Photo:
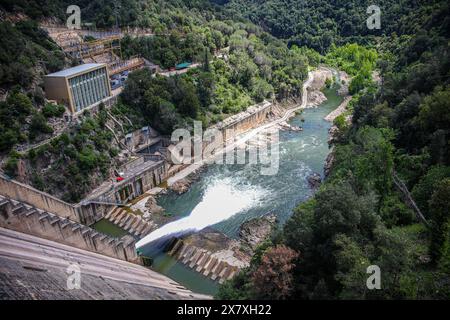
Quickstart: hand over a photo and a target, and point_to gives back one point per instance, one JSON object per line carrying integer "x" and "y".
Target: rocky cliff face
{"x": 315, "y": 95}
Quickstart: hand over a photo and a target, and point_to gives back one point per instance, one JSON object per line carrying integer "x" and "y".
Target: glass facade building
{"x": 79, "y": 87}
{"x": 89, "y": 88}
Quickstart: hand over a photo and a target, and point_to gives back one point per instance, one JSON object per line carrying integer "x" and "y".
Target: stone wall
{"x": 244, "y": 121}
{"x": 150, "y": 177}
{"x": 205, "y": 262}
{"x": 24, "y": 218}
{"x": 85, "y": 214}
{"x": 24, "y": 193}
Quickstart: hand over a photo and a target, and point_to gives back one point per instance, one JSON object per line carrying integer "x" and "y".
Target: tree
{"x": 440, "y": 214}
{"x": 38, "y": 126}
{"x": 273, "y": 278}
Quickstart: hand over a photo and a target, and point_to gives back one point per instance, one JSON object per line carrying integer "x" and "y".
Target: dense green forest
{"x": 358, "y": 217}
{"x": 319, "y": 24}
{"x": 256, "y": 66}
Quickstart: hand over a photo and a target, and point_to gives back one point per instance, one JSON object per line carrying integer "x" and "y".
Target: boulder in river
{"x": 152, "y": 206}
{"x": 255, "y": 231}
{"x": 314, "y": 180}
{"x": 181, "y": 186}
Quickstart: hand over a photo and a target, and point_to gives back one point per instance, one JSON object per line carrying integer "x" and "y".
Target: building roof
{"x": 75, "y": 70}
{"x": 183, "y": 65}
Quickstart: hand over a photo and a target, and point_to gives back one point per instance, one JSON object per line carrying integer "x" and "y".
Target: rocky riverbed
{"x": 235, "y": 253}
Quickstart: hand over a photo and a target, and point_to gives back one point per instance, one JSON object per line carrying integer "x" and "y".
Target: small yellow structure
{"x": 79, "y": 87}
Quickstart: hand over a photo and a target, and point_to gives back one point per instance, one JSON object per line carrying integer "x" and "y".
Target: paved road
{"x": 44, "y": 260}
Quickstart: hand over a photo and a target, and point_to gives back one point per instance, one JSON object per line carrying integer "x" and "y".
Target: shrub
{"x": 51, "y": 110}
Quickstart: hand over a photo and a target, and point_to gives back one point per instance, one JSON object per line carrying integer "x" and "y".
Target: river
{"x": 228, "y": 195}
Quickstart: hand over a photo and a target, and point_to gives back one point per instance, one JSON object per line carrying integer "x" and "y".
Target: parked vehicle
{"x": 116, "y": 84}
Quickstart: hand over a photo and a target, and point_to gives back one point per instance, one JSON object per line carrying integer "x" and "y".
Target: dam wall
{"x": 244, "y": 121}
{"x": 21, "y": 192}
{"x": 203, "y": 261}
{"x": 27, "y": 219}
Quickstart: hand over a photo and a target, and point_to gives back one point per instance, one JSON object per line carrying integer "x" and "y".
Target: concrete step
{"x": 43, "y": 216}
{"x": 102, "y": 237}
{"x": 108, "y": 215}
{"x": 147, "y": 230}
{"x": 119, "y": 217}
{"x": 126, "y": 219}
{"x": 193, "y": 259}
{"x": 184, "y": 252}
{"x": 216, "y": 271}
{"x": 197, "y": 259}
{"x": 188, "y": 254}
{"x": 54, "y": 220}
{"x": 135, "y": 224}
{"x": 114, "y": 214}
{"x": 180, "y": 247}
{"x": 141, "y": 227}
{"x": 175, "y": 248}
{"x": 210, "y": 266}
{"x": 225, "y": 270}
{"x": 3, "y": 202}
{"x": 31, "y": 212}
{"x": 94, "y": 234}
{"x": 201, "y": 261}
{"x": 18, "y": 209}
{"x": 129, "y": 223}
{"x": 64, "y": 223}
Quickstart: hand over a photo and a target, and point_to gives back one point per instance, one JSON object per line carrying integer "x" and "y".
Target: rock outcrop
{"x": 345, "y": 82}
{"x": 328, "y": 163}
{"x": 152, "y": 206}
{"x": 217, "y": 256}
{"x": 181, "y": 186}
{"x": 314, "y": 180}
{"x": 316, "y": 98}
{"x": 253, "y": 232}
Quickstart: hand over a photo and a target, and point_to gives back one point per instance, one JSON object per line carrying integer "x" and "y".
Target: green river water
{"x": 222, "y": 186}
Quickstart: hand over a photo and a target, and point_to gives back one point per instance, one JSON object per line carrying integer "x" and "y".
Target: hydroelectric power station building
{"x": 79, "y": 87}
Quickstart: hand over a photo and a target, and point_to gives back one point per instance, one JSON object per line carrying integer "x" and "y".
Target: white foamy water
{"x": 221, "y": 200}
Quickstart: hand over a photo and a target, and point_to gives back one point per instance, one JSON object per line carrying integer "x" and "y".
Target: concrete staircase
{"x": 203, "y": 261}
{"x": 24, "y": 218}
{"x": 130, "y": 222}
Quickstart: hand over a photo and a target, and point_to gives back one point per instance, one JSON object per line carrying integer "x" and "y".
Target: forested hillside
{"x": 318, "y": 24}
{"x": 358, "y": 217}
{"x": 254, "y": 66}
{"x": 399, "y": 129}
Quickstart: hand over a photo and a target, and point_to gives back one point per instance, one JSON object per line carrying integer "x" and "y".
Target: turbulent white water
{"x": 222, "y": 199}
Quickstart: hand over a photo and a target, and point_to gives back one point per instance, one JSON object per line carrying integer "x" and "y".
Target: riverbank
{"x": 184, "y": 173}
{"x": 339, "y": 110}
{"x": 312, "y": 96}
{"x": 227, "y": 196}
